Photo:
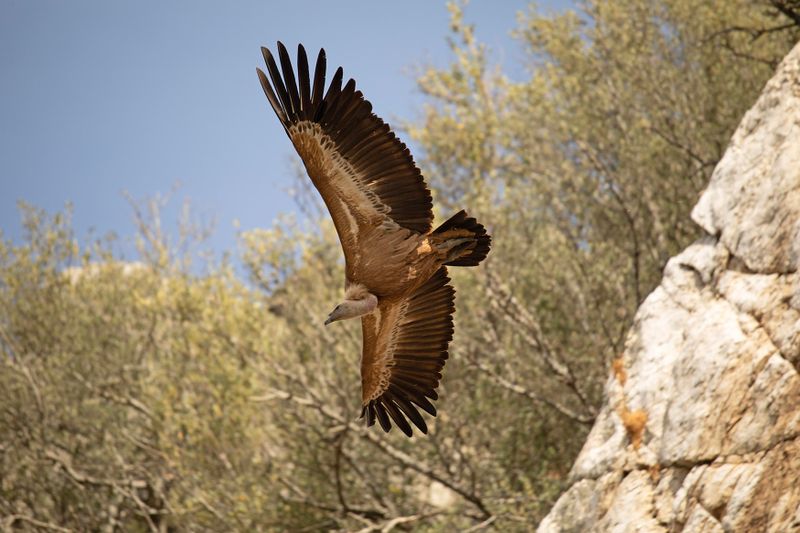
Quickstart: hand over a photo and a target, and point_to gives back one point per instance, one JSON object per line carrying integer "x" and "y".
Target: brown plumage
{"x": 395, "y": 265}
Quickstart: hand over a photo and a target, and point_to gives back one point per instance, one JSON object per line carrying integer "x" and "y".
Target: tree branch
{"x": 9, "y": 521}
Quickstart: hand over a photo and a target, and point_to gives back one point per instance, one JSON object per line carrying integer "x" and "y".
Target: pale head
{"x": 357, "y": 302}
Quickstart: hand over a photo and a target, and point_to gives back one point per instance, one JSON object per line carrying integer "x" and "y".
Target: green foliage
{"x": 586, "y": 173}
{"x": 122, "y": 406}
{"x": 148, "y": 397}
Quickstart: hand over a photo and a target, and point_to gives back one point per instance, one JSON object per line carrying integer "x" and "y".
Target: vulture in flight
{"x": 395, "y": 262}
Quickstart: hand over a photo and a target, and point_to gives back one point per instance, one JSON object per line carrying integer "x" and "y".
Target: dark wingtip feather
{"x": 414, "y": 396}
{"x": 273, "y": 100}
{"x": 277, "y": 82}
{"x": 383, "y": 418}
{"x": 319, "y": 85}
{"x": 304, "y": 82}
{"x": 399, "y": 420}
{"x": 336, "y": 84}
{"x": 410, "y": 411}
{"x": 424, "y": 404}
{"x": 289, "y": 80}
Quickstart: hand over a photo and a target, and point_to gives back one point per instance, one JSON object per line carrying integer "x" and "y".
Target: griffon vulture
{"x": 395, "y": 263}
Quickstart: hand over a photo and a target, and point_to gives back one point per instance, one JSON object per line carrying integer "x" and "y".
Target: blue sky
{"x": 100, "y": 97}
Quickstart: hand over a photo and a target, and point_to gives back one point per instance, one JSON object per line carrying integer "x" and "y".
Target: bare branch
{"x": 9, "y": 521}
{"x": 394, "y": 522}
{"x": 531, "y": 332}
{"x": 399, "y": 456}
{"x": 789, "y": 8}
{"x": 522, "y": 391}
{"x": 483, "y": 525}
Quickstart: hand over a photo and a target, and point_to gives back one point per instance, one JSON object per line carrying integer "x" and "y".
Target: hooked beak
{"x": 328, "y": 320}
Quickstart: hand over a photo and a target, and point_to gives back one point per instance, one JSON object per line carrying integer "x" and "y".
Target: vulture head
{"x": 352, "y": 308}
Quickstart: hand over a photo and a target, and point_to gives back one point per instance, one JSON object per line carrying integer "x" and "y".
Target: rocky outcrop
{"x": 701, "y": 427}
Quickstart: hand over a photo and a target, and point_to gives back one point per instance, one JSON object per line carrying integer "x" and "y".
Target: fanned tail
{"x": 471, "y": 243}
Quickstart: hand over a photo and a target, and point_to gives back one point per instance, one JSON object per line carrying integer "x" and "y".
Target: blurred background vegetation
{"x": 160, "y": 395}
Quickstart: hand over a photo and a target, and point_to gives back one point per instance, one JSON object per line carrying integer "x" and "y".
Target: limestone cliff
{"x": 701, "y": 426}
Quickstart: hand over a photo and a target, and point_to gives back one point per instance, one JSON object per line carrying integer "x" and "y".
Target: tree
{"x": 586, "y": 173}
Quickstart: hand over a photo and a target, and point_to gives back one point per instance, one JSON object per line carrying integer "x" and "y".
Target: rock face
{"x": 701, "y": 428}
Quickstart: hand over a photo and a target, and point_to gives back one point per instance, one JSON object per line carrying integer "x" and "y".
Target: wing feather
{"x": 413, "y": 395}
{"x": 273, "y": 99}
{"x": 288, "y": 76}
{"x": 336, "y": 84}
{"x": 277, "y": 82}
{"x": 319, "y": 80}
{"x": 361, "y": 169}
{"x": 383, "y": 419}
{"x": 305, "y": 83}
{"x": 399, "y": 420}
{"x": 401, "y": 370}
{"x": 408, "y": 409}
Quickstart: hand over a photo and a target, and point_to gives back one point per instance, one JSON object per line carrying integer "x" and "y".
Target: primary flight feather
{"x": 395, "y": 264}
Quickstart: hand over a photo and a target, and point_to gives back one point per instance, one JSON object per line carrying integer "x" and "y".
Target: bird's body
{"x": 395, "y": 263}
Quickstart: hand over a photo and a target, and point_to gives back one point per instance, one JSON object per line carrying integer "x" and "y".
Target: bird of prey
{"x": 395, "y": 262}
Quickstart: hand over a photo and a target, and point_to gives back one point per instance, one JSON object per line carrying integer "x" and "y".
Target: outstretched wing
{"x": 365, "y": 175}
{"x": 405, "y": 349}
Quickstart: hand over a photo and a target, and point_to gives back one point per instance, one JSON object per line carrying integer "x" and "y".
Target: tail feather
{"x": 460, "y": 226}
